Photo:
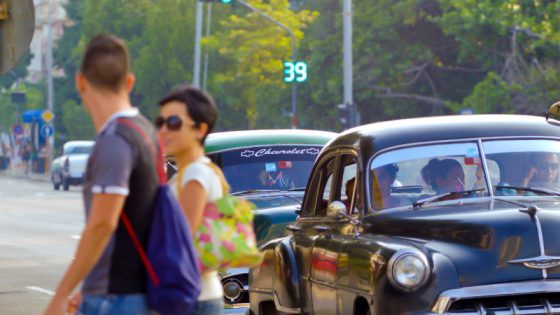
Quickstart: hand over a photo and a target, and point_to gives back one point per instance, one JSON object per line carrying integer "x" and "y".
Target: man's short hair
{"x": 106, "y": 63}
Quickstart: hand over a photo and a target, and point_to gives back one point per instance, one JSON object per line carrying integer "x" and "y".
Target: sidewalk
{"x": 19, "y": 173}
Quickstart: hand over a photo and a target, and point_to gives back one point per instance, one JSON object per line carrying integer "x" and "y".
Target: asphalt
{"x": 20, "y": 174}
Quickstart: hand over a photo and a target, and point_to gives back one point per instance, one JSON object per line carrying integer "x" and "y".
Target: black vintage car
{"x": 446, "y": 215}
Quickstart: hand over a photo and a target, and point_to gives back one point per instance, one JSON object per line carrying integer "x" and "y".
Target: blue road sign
{"x": 18, "y": 129}
{"x": 47, "y": 131}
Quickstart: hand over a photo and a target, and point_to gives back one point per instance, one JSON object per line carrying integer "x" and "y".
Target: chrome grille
{"x": 531, "y": 304}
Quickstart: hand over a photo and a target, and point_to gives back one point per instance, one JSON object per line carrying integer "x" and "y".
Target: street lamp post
{"x": 348, "y": 79}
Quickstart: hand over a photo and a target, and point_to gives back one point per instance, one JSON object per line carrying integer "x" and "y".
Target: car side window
{"x": 347, "y": 184}
{"x": 321, "y": 188}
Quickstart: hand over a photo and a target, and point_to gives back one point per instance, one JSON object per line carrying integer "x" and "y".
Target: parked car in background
{"x": 68, "y": 168}
{"x": 479, "y": 236}
{"x": 270, "y": 168}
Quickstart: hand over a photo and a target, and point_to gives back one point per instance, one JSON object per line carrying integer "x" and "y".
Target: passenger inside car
{"x": 542, "y": 171}
{"x": 443, "y": 176}
{"x": 383, "y": 179}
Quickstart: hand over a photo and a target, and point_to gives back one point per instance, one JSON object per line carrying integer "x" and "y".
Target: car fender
{"x": 287, "y": 287}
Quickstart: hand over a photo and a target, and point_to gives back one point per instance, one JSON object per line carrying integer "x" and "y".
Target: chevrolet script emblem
{"x": 541, "y": 262}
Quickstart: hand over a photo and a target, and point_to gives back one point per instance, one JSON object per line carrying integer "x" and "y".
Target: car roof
{"x": 378, "y": 136}
{"x": 221, "y": 141}
{"x": 78, "y": 143}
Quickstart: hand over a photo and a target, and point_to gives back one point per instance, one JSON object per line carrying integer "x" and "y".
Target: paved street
{"x": 39, "y": 230}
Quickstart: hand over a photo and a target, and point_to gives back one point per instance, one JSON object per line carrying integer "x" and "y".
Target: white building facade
{"x": 39, "y": 44}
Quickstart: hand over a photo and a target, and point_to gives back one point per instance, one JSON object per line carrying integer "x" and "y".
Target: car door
{"x": 333, "y": 230}
{"x": 314, "y": 208}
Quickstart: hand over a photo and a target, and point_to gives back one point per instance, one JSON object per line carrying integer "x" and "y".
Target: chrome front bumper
{"x": 527, "y": 297}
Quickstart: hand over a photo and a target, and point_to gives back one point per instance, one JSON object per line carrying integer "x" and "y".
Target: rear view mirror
{"x": 336, "y": 209}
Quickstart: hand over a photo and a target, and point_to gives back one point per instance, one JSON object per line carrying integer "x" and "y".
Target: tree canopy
{"x": 411, "y": 57}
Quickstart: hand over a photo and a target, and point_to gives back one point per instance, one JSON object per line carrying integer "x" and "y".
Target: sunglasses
{"x": 547, "y": 166}
{"x": 173, "y": 122}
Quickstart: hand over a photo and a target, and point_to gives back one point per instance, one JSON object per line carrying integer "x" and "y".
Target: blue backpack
{"x": 171, "y": 258}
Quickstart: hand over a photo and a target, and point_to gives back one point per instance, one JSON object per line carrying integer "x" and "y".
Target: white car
{"x": 69, "y": 168}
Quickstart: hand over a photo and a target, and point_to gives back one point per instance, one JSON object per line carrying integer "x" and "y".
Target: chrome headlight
{"x": 233, "y": 289}
{"x": 408, "y": 269}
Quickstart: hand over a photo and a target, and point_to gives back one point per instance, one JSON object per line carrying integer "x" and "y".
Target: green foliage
{"x": 411, "y": 58}
{"x": 492, "y": 95}
{"x": 77, "y": 122}
{"x": 256, "y": 58}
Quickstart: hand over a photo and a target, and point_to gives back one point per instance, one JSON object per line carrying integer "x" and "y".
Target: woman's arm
{"x": 192, "y": 199}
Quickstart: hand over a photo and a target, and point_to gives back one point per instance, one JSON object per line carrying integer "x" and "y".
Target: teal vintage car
{"x": 270, "y": 168}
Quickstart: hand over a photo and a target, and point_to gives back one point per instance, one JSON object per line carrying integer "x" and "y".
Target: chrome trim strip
{"x": 514, "y": 308}
{"x": 283, "y": 309}
{"x": 485, "y": 168}
{"x": 359, "y": 292}
{"x": 541, "y": 241}
{"x": 321, "y": 282}
{"x": 261, "y": 291}
{"x": 533, "y": 213}
{"x": 268, "y": 145}
{"x": 448, "y": 297}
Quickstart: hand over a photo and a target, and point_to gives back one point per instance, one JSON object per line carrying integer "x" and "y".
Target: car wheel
{"x": 65, "y": 184}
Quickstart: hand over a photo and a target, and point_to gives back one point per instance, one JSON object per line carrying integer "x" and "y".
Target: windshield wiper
{"x": 454, "y": 194}
{"x": 529, "y": 189}
{"x": 251, "y": 191}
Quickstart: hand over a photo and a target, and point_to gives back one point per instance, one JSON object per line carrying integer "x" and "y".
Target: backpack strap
{"x": 158, "y": 158}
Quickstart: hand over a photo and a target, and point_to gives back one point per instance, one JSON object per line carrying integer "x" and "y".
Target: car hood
{"x": 483, "y": 240}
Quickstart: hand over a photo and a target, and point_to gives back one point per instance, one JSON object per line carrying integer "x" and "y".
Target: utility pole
{"x": 348, "y": 73}
{"x": 208, "y": 25}
{"x": 294, "y": 54}
{"x": 50, "y": 94}
{"x": 197, "y": 37}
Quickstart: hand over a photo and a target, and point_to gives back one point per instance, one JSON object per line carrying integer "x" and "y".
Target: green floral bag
{"x": 225, "y": 238}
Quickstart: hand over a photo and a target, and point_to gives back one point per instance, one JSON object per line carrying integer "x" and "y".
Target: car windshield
{"x": 281, "y": 167}
{"x": 531, "y": 166}
{"x": 433, "y": 173}
{"x": 78, "y": 150}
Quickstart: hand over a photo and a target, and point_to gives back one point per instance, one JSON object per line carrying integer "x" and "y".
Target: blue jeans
{"x": 209, "y": 307}
{"x": 113, "y": 305}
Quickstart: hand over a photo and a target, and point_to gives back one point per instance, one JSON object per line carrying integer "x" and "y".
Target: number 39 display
{"x": 295, "y": 71}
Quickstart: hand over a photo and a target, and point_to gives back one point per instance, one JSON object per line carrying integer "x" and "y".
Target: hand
{"x": 73, "y": 302}
{"x": 530, "y": 174}
{"x": 57, "y": 306}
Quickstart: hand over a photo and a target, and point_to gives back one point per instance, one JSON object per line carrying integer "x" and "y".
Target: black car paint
{"x": 467, "y": 243}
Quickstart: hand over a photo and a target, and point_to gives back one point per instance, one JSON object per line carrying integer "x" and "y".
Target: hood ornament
{"x": 540, "y": 262}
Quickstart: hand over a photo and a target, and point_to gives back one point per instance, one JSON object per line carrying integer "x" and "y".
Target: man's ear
{"x": 81, "y": 84}
{"x": 130, "y": 82}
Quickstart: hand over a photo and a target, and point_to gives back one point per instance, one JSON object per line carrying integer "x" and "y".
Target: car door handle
{"x": 322, "y": 228}
{"x": 293, "y": 228}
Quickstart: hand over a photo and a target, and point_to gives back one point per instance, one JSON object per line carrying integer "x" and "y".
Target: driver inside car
{"x": 542, "y": 171}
